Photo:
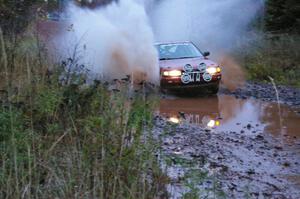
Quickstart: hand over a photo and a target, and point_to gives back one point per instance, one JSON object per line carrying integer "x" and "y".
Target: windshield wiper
{"x": 185, "y": 57}
{"x": 177, "y": 58}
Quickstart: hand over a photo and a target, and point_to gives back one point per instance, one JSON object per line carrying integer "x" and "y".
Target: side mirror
{"x": 206, "y": 53}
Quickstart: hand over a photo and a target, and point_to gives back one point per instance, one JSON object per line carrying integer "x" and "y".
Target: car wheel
{"x": 163, "y": 91}
{"x": 215, "y": 89}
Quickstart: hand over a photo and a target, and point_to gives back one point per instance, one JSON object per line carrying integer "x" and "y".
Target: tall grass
{"x": 67, "y": 139}
{"x": 272, "y": 55}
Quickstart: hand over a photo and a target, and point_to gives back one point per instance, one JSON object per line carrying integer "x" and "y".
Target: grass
{"x": 194, "y": 181}
{"x": 63, "y": 138}
{"x": 276, "y": 56}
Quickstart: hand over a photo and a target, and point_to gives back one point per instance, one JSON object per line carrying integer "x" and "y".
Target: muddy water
{"x": 226, "y": 113}
{"x": 253, "y": 146}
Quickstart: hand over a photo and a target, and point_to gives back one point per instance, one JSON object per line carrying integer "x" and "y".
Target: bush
{"x": 276, "y": 56}
{"x": 63, "y": 138}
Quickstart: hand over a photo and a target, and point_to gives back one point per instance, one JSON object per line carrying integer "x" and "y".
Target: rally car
{"x": 183, "y": 65}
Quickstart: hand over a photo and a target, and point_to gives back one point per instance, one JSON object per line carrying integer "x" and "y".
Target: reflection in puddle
{"x": 227, "y": 113}
{"x": 251, "y": 161}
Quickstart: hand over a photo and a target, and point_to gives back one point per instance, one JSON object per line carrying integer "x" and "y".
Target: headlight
{"x": 172, "y": 73}
{"x": 213, "y": 70}
{"x": 174, "y": 120}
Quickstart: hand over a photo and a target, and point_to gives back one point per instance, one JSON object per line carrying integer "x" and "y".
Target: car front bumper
{"x": 176, "y": 83}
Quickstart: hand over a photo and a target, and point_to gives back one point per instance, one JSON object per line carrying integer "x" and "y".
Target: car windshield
{"x": 177, "y": 51}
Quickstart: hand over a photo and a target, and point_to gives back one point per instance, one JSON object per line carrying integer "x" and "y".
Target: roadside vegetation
{"x": 275, "y": 52}
{"x": 63, "y": 138}
{"x": 275, "y": 56}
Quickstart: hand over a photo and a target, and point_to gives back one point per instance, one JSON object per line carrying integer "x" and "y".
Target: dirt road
{"x": 230, "y": 146}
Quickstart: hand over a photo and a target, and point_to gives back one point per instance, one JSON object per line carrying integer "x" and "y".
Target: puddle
{"x": 226, "y": 113}
{"x": 244, "y": 164}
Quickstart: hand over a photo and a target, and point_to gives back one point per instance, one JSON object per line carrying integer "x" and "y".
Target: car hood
{"x": 179, "y": 63}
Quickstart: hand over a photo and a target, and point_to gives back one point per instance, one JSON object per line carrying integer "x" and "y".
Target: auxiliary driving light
{"x": 213, "y": 70}
{"x": 213, "y": 123}
{"x": 172, "y": 73}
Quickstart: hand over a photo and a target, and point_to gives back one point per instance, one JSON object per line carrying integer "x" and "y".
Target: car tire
{"x": 215, "y": 89}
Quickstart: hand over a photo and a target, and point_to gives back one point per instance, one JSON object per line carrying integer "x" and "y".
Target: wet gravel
{"x": 266, "y": 92}
{"x": 244, "y": 164}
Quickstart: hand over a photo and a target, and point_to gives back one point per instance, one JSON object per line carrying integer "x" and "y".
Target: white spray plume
{"x": 211, "y": 24}
{"x": 114, "y": 41}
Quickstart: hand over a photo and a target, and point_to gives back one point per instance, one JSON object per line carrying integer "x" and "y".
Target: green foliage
{"x": 63, "y": 138}
{"x": 48, "y": 101}
{"x": 11, "y": 128}
{"x": 15, "y": 15}
{"x": 195, "y": 177}
{"x": 283, "y": 15}
{"x": 276, "y": 56}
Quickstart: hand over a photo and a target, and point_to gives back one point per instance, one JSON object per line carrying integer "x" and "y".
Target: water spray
{"x": 116, "y": 40}
{"x": 278, "y": 104}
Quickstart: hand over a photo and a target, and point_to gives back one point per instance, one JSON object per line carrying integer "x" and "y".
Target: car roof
{"x": 173, "y": 42}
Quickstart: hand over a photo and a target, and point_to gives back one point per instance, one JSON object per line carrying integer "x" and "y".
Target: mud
{"x": 226, "y": 146}
{"x": 265, "y": 92}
